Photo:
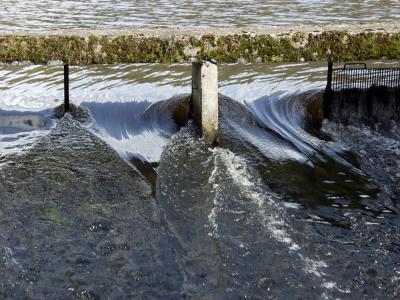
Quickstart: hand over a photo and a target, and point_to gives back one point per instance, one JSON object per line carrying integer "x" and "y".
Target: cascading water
{"x": 283, "y": 207}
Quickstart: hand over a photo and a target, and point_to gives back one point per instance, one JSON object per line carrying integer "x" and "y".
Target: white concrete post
{"x": 205, "y": 99}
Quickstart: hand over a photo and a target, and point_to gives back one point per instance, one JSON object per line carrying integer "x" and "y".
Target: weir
{"x": 114, "y": 193}
{"x": 224, "y": 45}
{"x": 204, "y": 98}
{"x": 353, "y": 93}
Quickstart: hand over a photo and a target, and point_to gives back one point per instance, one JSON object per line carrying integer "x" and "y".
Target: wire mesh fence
{"x": 358, "y": 76}
{"x": 355, "y": 91}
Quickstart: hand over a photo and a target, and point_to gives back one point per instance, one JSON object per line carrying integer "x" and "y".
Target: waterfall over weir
{"x": 130, "y": 203}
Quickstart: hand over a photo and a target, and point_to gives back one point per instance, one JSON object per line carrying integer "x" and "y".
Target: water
{"x": 122, "y": 95}
{"x": 128, "y": 204}
{"x": 56, "y": 14}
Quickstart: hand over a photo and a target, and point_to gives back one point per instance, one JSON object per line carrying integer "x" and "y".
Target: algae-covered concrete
{"x": 171, "y": 45}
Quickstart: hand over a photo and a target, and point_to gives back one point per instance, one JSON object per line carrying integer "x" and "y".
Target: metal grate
{"x": 356, "y": 85}
{"x": 358, "y": 76}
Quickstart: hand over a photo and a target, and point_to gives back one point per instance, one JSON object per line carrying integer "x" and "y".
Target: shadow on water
{"x": 16, "y": 121}
{"x": 19, "y": 129}
{"x": 376, "y": 105}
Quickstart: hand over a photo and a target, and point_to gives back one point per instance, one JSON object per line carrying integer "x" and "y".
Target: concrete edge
{"x": 225, "y": 45}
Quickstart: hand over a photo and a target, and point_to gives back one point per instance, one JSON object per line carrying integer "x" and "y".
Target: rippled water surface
{"x": 97, "y": 14}
{"x": 122, "y": 93}
{"x": 127, "y": 203}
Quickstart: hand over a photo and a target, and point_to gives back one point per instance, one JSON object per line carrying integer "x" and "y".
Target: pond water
{"x": 126, "y": 204}
{"x": 56, "y": 14}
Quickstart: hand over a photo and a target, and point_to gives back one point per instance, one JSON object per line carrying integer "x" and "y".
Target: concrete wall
{"x": 167, "y": 45}
{"x": 205, "y": 99}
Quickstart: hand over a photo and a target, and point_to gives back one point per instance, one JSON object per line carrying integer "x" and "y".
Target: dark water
{"x": 79, "y": 223}
{"x": 130, "y": 205}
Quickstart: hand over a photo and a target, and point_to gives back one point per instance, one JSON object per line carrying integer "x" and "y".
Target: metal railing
{"x": 358, "y": 76}
{"x": 351, "y": 80}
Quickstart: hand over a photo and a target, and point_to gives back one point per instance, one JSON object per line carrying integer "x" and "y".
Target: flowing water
{"x": 56, "y": 14}
{"x": 126, "y": 203}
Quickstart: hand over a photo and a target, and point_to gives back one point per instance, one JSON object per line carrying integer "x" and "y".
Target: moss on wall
{"x": 290, "y": 47}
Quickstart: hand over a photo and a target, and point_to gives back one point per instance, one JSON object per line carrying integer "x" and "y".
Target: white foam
{"x": 237, "y": 171}
{"x": 272, "y": 214}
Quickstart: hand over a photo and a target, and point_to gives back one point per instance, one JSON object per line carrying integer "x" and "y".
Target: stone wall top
{"x": 225, "y": 45}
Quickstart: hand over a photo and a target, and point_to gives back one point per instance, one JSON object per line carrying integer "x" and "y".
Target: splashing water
{"x": 282, "y": 208}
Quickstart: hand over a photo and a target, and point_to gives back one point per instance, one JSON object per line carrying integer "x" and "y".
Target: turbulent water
{"x": 283, "y": 208}
{"x": 55, "y": 14}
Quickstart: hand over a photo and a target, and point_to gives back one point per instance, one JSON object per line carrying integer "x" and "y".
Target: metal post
{"x": 328, "y": 90}
{"x": 66, "y": 88}
{"x": 330, "y": 74}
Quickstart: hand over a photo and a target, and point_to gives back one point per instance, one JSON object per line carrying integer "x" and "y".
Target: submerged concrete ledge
{"x": 227, "y": 45}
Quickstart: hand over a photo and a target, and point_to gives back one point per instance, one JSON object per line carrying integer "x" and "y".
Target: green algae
{"x": 97, "y": 209}
{"x": 53, "y": 216}
{"x": 293, "y": 47}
